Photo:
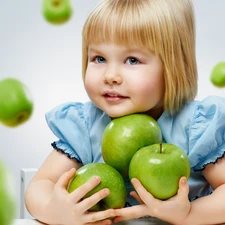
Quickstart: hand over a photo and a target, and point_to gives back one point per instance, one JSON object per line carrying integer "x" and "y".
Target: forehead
{"x": 119, "y": 25}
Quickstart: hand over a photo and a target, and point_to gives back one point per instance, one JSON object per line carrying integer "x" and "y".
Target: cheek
{"x": 88, "y": 84}
{"x": 150, "y": 90}
{"x": 92, "y": 79}
{"x": 145, "y": 91}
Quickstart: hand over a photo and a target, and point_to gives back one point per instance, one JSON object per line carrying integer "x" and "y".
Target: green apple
{"x": 110, "y": 178}
{"x": 123, "y": 136}
{"x": 57, "y": 11}
{"x": 218, "y": 75}
{"x": 16, "y": 105}
{"x": 159, "y": 168}
{"x": 7, "y": 196}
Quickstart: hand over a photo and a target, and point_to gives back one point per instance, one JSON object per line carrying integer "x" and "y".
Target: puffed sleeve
{"x": 207, "y": 133}
{"x": 68, "y": 123}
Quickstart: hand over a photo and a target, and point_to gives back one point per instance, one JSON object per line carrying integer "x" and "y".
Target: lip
{"x": 113, "y": 96}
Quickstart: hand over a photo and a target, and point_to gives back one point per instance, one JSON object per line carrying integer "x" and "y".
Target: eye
{"x": 99, "y": 59}
{"x": 132, "y": 61}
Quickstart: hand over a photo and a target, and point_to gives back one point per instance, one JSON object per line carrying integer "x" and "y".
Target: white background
{"x": 47, "y": 59}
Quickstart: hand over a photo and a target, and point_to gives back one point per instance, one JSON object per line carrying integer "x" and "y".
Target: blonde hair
{"x": 163, "y": 26}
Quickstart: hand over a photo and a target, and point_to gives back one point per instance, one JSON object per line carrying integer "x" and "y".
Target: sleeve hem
{"x": 54, "y": 145}
{"x": 211, "y": 162}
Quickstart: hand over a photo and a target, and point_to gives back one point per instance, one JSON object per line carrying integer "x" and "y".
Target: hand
{"x": 174, "y": 210}
{"x": 70, "y": 209}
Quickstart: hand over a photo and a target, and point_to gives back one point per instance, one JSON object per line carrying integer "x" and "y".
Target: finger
{"x": 80, "y": 192}
{"x": 136, "y": 196}
{"x": 144, "y": 195}
{"x": 87, "y": 203}
{"x": 65, "y": 178}
{"x": 100, "y": 216}
{"x": 183, "y": 190}
{"x": 103, "y": 222}
{"x": 130, "y": 213}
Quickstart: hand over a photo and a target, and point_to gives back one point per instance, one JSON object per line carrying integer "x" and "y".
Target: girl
{"x": 138, "y": 57}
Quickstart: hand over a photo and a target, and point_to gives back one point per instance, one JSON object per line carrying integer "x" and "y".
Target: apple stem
{"x": 160, "y": 150}
{"x": 56, "y": 3}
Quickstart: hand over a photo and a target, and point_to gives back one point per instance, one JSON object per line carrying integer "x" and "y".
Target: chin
{"x": 116, "y": 115}
{"x": 116, "y": 111}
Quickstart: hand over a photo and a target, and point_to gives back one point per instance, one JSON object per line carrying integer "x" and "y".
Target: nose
{"x": 112, "y": 76}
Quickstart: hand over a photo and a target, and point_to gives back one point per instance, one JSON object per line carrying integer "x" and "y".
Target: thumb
{"x": 183, "y": 187}
{"x": 65, "y": 178}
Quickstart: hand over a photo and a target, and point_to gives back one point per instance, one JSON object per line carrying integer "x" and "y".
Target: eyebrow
{"x": 94, "y": 50}
{"x": 125, "y": 50}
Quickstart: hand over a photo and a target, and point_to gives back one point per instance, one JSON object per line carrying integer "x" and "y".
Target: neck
{"x": 155, "y": 113}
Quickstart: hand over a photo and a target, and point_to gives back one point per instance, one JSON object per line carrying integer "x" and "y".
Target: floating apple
{"x": 57, "y": 11}
{"x": 7, "y": 196}
{"x": 218, "y": 75}
{"x": 159, "y": 168}
{"x": 16, "y": 105}
{"x": 123, "y": 136}
{"x": 110, "y": 178}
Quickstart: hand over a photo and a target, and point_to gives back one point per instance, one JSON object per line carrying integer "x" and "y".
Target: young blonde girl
{"x": 138, "y": 57}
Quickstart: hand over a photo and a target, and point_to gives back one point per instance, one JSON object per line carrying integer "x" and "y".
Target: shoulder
{"x": 207, "y": 140}
{"x": 195, "y": 111}
{"x": 208, "y": 116}
{"x": 211, "y": 106}
{"x": 73, "y": 112}
{"x": 198, "y": 128}
{"x": 76, "y": 125}
{"x": 73, "y": 117}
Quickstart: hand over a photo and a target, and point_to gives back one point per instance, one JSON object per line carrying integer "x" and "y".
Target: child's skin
{"x": 119, "y": 87}
{"x": 117, "y": 80}
{"x": 120, "y": 80}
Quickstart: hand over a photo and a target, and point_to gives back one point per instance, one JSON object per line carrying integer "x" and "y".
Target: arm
{"x": 47, "y": 198}
{"x": 178, "y": 210}
{"x": 41, "y": 186}
{"x": 211, "y": 209}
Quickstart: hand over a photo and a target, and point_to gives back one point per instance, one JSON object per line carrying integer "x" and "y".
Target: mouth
{"x": 113, "y": 96}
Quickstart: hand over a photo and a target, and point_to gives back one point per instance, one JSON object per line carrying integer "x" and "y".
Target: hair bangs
{"x": 119, "y": 24}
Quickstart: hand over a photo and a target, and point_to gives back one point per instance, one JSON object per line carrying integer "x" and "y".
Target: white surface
{"x": 26, "y": 175}
{"x": 48, "y": 59}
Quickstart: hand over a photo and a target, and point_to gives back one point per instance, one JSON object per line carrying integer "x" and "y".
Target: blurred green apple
{"x": 123, "y": 136}
{"x": 218, "y": 75}
{"x": 57, "y": 11}
{"x": 159, "y": 168}
{"x": 110, "y": 178}
{"x": 16, "y": 105}
{"x": 7, "y": 196}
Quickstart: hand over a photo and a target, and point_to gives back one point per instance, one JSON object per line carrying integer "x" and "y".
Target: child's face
{"x": 122, "y": 81}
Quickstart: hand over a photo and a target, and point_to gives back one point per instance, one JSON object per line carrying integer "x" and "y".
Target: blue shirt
{"x": 199, "y": 129}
